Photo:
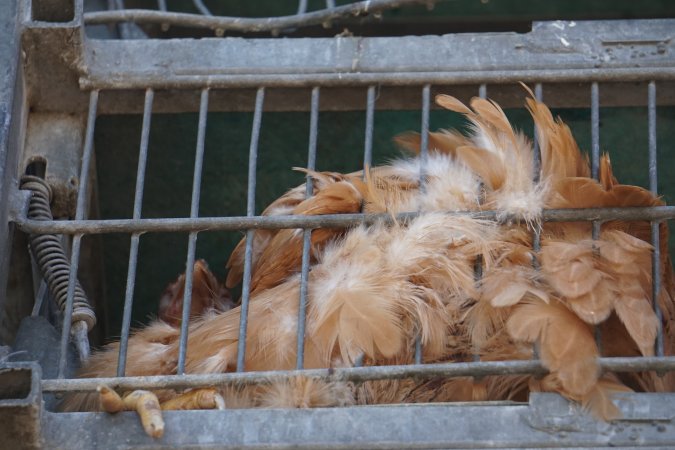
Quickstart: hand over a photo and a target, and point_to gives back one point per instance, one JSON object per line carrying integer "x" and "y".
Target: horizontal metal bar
{"x": 321, "y": 221}
{"x": 552, "y": 52}
{"x": 353, "y": 374}
{"x": 246, "y": 24}
{"x": 545, "y": 421}
{"x": 582, "y": 75}
{"x": 389, "y": 98}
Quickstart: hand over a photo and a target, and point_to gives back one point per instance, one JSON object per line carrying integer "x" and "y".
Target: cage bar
{"x": 307, "y": 234}
{"x": 595, "y": 143}
{"x": 536, "y": 234}
{"x": 135, "y": 237}
{"x": 192, "y": 238}
{"x": 250, "y": 212}
{"x": 201, "y": 7}
{"x": 424, "y": 158}
{"x": 80, "y": 213}
{"x": 545, "y": 60}
{"x": 655, "y": 225}
{"x": 232, "y": 223}
{"x": 370, "y": 119}
{"x": 478, "y": 263}
{"x": 346, "y": 374}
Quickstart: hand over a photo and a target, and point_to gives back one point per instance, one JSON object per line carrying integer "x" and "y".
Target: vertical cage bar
{"x": 536, "y": 237}
{"x": 595, "y": 130}
{"x": 79, "y": 215}
{"x": 656, "y": 238}
{"x": 192, "y": 239}
{"x": 161, "y": 5}
{"x": 330, "y": 4}
{"x": 250, "y": 211}
{"x": 478, "y": 263}
{"x": 482, "y": 91}
{"x": 536, "y": 166}
{"x": 201, "y": 7}
{"x": 424, "y": 157}
{"x": 595, "y": 143}
{"x": 307, "y": 234}
{"x": 135, "y": 237}
{"x": 424, "y": 134}
{"x": 370, "y": 120}
{"x": 302, "y": 6}
{"x": 595, "y": 173}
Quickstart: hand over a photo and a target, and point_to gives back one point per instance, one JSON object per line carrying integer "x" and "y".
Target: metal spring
{"x": 50, "y": 255}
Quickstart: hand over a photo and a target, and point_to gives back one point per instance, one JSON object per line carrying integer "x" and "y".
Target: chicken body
{"x": 374, "y": 289}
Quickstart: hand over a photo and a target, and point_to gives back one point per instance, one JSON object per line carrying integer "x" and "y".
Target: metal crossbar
{"x": 230, "y": 223}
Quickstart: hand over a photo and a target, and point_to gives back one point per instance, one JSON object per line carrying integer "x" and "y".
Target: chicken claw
{"x": 110, "y": 401}
{"x": 147, "y": 406}
{"x": 206, "y": 398}
{"x": 145, "y": 403}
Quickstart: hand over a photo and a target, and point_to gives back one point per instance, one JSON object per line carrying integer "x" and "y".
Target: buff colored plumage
{"x": 373, "y": 289}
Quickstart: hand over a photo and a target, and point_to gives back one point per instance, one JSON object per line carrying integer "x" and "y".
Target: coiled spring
{"x": 51, "y": 257}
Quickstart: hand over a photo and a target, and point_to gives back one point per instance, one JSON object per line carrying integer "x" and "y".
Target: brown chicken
{"x": 374, "y": 289}
{"x": 207, "y": 294}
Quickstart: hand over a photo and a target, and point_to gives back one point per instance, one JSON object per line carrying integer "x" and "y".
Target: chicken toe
{"x": 205, "y": 398}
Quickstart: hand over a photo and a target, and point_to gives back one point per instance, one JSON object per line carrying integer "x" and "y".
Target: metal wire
{"x": 595, "y": 164}
{"x": 595, "y": 143}
{"x": 135, "y": 237}
{"x": 250, "y": 212}
{"x": 478, "y": 263}
{"x": 307, "y": 234}
{"x": 201, "y": 7}
{"x": 353, "y": 374}
{"x": 370, "y": 119}
{"x": 536, "y": 234}
{"x": 81, "y": 340}
{"x": 192, "y": 238}
{"x": 234, "y": 223}
{"x": 361, "y": 78}
{"x": 655, "y": 225}
{"x": 424, "y": 159}
{"x": 247, "y": 24}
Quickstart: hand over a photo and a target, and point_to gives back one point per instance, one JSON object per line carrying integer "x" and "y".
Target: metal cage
{"x": 59, "y": 79}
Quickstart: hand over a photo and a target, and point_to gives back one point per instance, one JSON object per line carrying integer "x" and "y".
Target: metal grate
{"x": 136, "y": 226}
{"x": 133, "y": 79}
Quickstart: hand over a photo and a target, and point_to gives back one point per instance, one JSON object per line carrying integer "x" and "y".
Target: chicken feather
{"x": 373, "y": 289}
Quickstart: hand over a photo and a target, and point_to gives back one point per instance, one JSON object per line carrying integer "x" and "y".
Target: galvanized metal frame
{"x": 94, "y": 79}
